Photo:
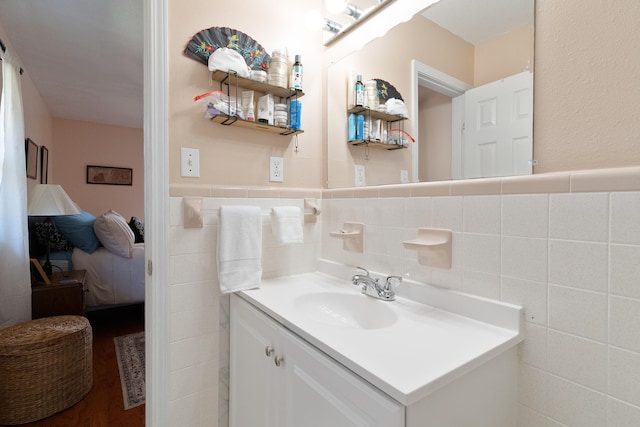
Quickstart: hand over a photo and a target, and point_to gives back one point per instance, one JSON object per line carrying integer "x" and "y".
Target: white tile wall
{"x": 570, "y": 259}
{"x": 198, "y": 314}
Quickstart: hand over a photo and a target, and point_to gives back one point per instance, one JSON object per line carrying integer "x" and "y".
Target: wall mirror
{"x": 465, "y": 72}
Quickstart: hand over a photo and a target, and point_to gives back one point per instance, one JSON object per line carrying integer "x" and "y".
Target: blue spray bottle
{"x": 352, "y": 127}
{"x": 360, "y": 127}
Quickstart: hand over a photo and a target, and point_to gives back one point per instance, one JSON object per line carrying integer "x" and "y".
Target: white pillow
{"x": 114, "y": 233}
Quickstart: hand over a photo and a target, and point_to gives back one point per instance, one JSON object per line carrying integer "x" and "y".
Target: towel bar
{"x": 194, "y": 212}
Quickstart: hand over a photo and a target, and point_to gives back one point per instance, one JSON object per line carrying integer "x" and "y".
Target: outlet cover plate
{"x": 360, "y": 180}
{"x": 276, "y": 169}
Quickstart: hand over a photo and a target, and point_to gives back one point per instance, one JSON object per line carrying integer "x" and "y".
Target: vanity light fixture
{"x": 316, "y": 21}
{"x": 342, "y": 6}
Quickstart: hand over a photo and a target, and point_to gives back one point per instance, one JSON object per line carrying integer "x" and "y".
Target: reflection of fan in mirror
{"x": 386, "y": 90}
{"x": 206, "y": 41}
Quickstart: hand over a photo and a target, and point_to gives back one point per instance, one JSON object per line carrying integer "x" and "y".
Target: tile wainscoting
{"x": 565, "y": 246}
{"x": 198, "y": 315}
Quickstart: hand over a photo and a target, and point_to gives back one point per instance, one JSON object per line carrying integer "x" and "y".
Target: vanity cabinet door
{"x": 295, "y": 385}
{"x": 320, "y": 392}
{"x": 253, "y": 387}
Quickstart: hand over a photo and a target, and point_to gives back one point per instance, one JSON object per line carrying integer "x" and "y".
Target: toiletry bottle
{"x": 251, "y": 115}
{"x": 360, "y": 127}
{"x": 365, "y": 134}
{"x": 295, "y": 111}
{"x": 352, "y": 127}
{"x": 296, "y": 74}
{"x": 359, "y": 91}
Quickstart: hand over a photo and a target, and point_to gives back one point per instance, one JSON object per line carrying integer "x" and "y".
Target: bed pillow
{"x": 137, "y": 226}
{"x": 114, "y": 233}
{"x": 78, "y": 230}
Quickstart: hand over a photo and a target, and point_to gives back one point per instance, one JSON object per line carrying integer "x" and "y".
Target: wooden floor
{"x": 103, "y": 406}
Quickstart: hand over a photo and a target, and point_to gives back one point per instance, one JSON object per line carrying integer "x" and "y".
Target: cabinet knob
{"x": 278, "y": 360}
{"x": 268, "y": 350}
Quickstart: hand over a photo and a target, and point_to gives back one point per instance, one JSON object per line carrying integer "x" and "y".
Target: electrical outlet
{"x": 360, "y": 182}
{"x": 276, "y": 169}
{"x": 404, "y": 176}
{"x": 190, "y": 162}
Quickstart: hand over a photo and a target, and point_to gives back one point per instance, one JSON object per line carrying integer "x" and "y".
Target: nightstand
{"x": 60, "y": 297}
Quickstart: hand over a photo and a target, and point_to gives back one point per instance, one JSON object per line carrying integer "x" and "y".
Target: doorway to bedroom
{"x": 83, "y": 102}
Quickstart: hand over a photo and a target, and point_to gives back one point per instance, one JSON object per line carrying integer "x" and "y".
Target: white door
{"x": 498, "y": 129}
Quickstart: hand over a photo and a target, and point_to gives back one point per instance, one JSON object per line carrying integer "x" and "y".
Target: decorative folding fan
{"x": 206, "y": 41}
{"x": 386, "y": 90}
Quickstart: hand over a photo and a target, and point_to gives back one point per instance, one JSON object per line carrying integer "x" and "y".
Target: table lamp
{"x": 50, "y": 200}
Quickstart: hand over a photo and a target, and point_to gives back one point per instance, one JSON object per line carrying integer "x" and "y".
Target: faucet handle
{"x": 363, "y": 269}
{"x": 393, "y": 280}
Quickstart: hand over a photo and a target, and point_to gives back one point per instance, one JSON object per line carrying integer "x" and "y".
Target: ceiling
{"x": 84, "y": 57}
{"x": 478, "y": 21}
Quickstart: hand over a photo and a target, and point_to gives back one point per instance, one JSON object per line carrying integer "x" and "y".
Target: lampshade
{"x": 50, "y": 200}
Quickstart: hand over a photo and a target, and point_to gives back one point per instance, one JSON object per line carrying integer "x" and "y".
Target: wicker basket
{"x": 46, "y": 366}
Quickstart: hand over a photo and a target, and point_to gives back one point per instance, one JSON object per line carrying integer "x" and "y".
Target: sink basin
{"x": 342, "y": 309}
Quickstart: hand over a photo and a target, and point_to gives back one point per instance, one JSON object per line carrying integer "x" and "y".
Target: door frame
{"x": 426, "y": 76}
{"x": 156, "y": 208}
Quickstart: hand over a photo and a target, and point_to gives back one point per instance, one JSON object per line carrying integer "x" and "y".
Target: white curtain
{"x": 15, "y": 286}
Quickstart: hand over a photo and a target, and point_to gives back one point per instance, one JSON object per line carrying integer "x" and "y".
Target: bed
{"x": 107, "y": 247}
{"x": 111, "y": 279}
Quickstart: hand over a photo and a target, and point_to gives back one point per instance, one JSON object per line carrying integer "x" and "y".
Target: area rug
{"x": 130, "y": 355}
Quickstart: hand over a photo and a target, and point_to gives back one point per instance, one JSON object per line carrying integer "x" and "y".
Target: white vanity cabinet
{"x": 278, "y": 379}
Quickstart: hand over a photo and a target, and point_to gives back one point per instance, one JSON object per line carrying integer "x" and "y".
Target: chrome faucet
{"x": 373, "y": 288}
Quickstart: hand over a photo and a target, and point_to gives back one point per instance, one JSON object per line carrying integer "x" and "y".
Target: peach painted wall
{"x": 78, "y": 144}
{"x": 586, "y": 105}
{"x": 435, "y": 135}
{"x": 504, "y": 55}
{"x": 232, "y": 155}
{"x": 38, "y": 124}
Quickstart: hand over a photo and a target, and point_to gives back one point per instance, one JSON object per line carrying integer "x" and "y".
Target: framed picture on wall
{"x": 31, "y": 150}
{"x": 109, "y": 175}
{"x": 44, "y": 165}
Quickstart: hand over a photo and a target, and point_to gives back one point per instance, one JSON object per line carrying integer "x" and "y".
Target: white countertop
{"x": 426, "y": 347}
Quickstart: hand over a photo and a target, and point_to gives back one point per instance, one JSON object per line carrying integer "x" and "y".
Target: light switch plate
{"x": 190, "y": 162}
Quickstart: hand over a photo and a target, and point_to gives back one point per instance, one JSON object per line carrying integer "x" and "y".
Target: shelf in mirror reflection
{"x": 375, "y": 114}
{"x": 376, "y": 144}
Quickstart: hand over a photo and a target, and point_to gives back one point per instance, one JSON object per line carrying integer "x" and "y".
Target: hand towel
{"x": 286, "y": 224}
{"x": 239, "y": 248}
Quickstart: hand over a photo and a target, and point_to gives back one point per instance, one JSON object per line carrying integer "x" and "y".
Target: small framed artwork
{"x": 44, "y": 165}
{"x": 109, "y": 175}
{"x": 31, "y": 150}
{"x": 37, "y": 273}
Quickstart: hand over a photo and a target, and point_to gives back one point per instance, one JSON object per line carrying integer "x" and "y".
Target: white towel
{"x": 239, "y": 248}
{"x": 286, "y": 224}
